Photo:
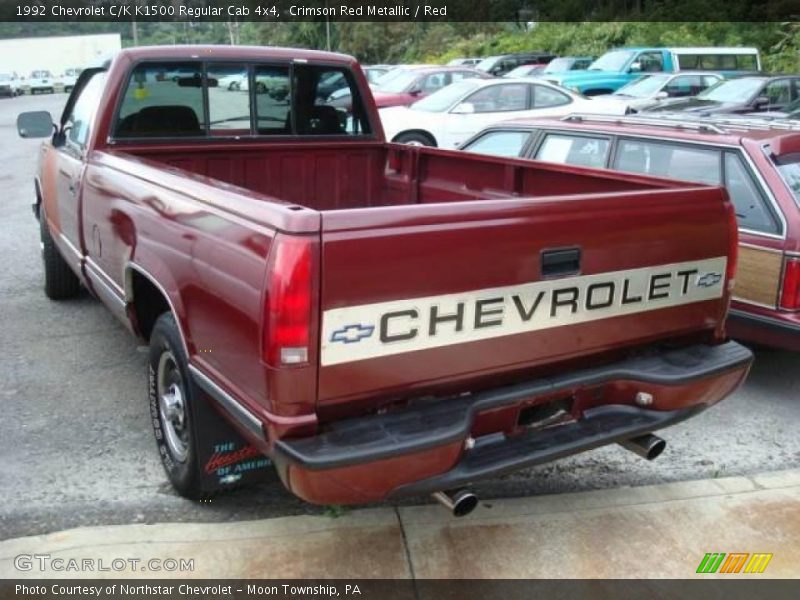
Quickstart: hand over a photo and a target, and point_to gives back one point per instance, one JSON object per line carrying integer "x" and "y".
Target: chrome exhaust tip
{"x": 459, "y": 503}
{"x": 647, "y": 446}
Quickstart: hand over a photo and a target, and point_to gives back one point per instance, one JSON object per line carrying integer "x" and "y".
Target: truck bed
{"x": 333, "y": 176}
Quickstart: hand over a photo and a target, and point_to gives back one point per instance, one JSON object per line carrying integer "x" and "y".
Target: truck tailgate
{"x": 429, "y": 297}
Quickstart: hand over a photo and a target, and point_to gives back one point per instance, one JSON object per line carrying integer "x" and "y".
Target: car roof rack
{"x": 709, "y": 124}
{"x": 661, "y": 121}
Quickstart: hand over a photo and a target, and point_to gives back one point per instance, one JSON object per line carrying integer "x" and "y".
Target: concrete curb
{"x": 653, "y": 531}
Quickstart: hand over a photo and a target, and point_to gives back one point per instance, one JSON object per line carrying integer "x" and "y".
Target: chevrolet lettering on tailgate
{"x": 385, "y": 328}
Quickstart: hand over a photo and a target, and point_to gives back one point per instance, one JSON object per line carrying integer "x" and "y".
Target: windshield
{"x": 733, "y": 90}
{"x": 558, "y": 64}
{"x": 399, "y": 84}
{"x": 446, "y": 97}
{"x": 643, "y": 87}
{"x": 612, "y": 61}
{"x": 522, "y": 71}
{"x": 487, "y": 63}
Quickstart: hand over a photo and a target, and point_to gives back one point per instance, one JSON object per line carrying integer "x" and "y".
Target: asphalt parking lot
{"x": 77, "y": 447}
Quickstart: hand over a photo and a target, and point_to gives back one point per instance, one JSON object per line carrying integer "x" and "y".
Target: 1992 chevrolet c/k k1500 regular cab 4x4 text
{"x": 380, "y": 320}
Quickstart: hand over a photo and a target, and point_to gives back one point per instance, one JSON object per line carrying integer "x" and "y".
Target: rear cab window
{"x": 213, "y": 99}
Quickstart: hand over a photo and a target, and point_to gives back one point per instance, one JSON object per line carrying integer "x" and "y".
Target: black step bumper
{"x": 418, "y": 428}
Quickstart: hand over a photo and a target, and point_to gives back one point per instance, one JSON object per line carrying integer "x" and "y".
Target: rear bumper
{"x": 777, "y": 332}
{"x": 422, "y": 449}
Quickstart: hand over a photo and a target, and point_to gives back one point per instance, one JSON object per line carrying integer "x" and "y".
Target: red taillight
{"x": 287, "y": 319}
{"x": 790, "y": 294}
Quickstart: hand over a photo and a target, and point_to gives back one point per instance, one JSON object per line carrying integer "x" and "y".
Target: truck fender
{"x": 37, "y": 204}
{"x": 162, "y": 281}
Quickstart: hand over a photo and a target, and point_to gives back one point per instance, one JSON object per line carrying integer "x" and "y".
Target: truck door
{"x": 71, "y": 155}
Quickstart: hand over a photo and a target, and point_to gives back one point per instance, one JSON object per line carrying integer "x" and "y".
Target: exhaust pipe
{"x": 647, "y": 446}
{"x": 459, "y": 503}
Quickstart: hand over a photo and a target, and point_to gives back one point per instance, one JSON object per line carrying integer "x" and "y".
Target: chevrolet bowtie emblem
{"x": 709, "y": 279}
{"x": 351, "y": 334}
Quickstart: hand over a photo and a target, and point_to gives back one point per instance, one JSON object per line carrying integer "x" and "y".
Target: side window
{"x": 272, "y": 97}
{"x": 315, "y": 114}
{"x": 500, "y": 98}
{"x": 434, "y": 82}
{"x": 574, "y": 150}
{"x": 163, "y": 100}
{"x": 228, "y": 100}
{"x": 779, "y": 92}
{"x": 651, "y": 62}
{"x": 709, "y": 80}
{"x": 80, "y": 119}
{"x": 459, "y": 75}
{"x": 544, "y": 97}
{"x": 747, "y": 62}
{"x": 752, "y": 210}
{"x": 669, "y": 160}
{"x": 684, "y": 85}
{"x": 500, "y": 143}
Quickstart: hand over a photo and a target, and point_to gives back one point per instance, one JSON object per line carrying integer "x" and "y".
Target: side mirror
{"x": 35, "y": 124}
{"x": 661, "y": 95}
{"x": 465, "y": 108}
{"x": 636, "y": 67}
{"x": 761, "y": 103}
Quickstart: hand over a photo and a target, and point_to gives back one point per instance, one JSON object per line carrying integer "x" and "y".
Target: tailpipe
{"x": 459, "y": 503}
{"x": 647, "y": 446}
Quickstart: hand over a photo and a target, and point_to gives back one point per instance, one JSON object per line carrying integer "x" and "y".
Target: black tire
{"x": 168, "y": 367}
{"x": 59, "y": 280}
{"x": 415, "y": 138}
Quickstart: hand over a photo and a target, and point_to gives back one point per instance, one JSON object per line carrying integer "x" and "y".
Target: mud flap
{"x": 225, "y": 458}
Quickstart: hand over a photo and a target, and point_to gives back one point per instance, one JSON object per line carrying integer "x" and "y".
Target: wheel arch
{"x": 147, "y": 299}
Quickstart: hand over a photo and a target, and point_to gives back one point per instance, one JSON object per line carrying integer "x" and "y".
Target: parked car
{"x": 464, "y": 62}
{"x": 525, "y": 71}
{"x": 618, "y": 67}
{"x": 790, "y": 111}
{"x": 381, "y": 321}
{"x": 69, "y": 78}
{"x": 500, "y": 65}
{"x": 650, "y": 91}
{"x": 740, "y": 95}
{"x": 758, "y": 161}
{"x": 9, "y": 85}
{"x": 41, "y": 81}
{"x": 447, "y": 118}
{"x": 416, "y": 83}
{"x": 568, "y": 63}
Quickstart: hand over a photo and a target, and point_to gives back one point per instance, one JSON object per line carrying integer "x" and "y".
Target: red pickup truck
{"x": 380, "y": 320}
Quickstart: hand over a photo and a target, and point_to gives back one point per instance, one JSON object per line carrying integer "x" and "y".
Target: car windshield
{"x": 612, "y": 61}
{"x": 398, "y": 84}
{"x": 558, "y": 64}
{"x": 445, "y": 98}
{"x": 643, "y": 87}
{"x": 487, "y": 63}
{"x": 521, "y": 71}
{"x": 733, "y": 90}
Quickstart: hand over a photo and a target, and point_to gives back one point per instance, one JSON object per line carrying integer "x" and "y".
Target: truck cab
{"x": 623, "y": 65}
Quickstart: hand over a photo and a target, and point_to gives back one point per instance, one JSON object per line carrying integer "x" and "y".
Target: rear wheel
{"x": 171, "y": 396}
{"x": 59, "y": 280}
{"x": 415, "y": 138}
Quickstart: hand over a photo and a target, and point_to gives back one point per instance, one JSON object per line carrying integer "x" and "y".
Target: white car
{"x": 650, "y": 90}
{"x": 9, "y": 85}
{"x": 457, "y": 112}
{"x": 69, "y": 78}
{"x": 41, "y": 81}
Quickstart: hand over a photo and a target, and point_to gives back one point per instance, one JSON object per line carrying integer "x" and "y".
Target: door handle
{"x": 559, "y": 262}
